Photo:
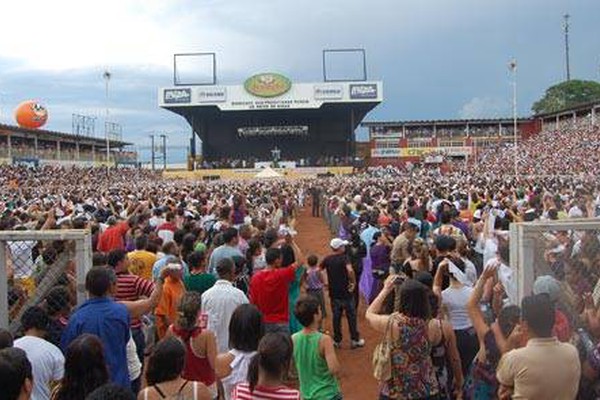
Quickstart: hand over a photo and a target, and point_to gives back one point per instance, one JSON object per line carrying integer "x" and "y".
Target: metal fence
{"x": 568, "y": 250}
{"x": 42, "y": 268}
{"x": 562, "y": 258}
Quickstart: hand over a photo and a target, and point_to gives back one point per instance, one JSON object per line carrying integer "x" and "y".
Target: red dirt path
{"x": 357, "y": 375}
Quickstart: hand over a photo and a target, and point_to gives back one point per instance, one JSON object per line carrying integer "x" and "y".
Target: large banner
{"x": 270, "y": 94}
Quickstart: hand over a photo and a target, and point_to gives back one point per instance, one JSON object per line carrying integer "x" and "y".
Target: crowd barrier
{"x": 42, "y": 268}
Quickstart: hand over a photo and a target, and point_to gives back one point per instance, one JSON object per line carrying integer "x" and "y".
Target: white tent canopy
{"x": 268, "y": 173}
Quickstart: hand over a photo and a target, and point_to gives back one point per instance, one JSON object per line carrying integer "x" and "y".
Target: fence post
{"x": 3, "y": 287}
{"x": 83, "y": 262}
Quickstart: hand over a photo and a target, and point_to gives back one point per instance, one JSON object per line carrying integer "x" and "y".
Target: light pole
{"x": 513, "y": 69}
{"x": 164, "y": 150}
{"x": 566, "y": 31}
{"x": 152, "y": 151}
{"x": 106, "y": 75}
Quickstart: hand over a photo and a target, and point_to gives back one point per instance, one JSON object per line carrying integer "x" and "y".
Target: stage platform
{"x": 250, "y": 173}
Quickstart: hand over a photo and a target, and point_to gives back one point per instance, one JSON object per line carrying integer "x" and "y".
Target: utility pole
{"x": 566, "y": 30}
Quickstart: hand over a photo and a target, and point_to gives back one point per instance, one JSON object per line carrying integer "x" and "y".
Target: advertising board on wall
{"x": 386, "y": 152}
{"x": 420, "y": 152}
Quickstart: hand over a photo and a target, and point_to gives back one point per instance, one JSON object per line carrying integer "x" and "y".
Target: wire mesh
{"x": 45, "y": 268}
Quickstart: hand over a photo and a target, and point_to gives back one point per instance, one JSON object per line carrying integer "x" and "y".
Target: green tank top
{"x": 316, "y": 382}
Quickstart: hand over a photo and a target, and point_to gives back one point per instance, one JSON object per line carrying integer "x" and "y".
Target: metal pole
{"x": 513, "y": 68}
{"x": 164, "y": 151}
{"x": 566, "y": 29}
{"x": 152, "y": 150}
{"x": 106, "y": 77}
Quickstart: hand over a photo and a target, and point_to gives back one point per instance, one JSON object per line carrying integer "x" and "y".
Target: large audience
{"x": 199, "y": 290}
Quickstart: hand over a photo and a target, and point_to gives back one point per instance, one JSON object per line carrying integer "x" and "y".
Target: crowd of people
{"x": 199, "y": 290}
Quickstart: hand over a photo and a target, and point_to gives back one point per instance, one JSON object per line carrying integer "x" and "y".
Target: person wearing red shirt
{"x": 269, "y": 291}
{"x": 113, "y": 238}
{"x": 169, "y": 225}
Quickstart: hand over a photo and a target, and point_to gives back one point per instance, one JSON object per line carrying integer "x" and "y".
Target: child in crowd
{"x": 314, "y": 354}
{"x": 315, "y": 282}
{"x": 266, "y": 371}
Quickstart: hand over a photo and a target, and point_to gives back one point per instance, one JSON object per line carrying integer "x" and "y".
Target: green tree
{"x": 567, "y": 94}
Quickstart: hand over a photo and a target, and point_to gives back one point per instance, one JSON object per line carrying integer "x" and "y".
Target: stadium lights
{"x": 107, "y": 75}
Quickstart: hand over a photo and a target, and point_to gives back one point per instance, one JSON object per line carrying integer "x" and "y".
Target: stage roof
{"x": 297, "y": 96}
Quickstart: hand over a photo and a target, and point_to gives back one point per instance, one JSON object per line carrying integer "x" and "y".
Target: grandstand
{"x": 399, "y": 142}
{"x": 40, "y": 147}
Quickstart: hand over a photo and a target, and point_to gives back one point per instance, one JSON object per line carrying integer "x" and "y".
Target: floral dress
{"x": 413, "y": 375}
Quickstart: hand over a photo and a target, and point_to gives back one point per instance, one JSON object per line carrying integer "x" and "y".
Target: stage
{"x": 307, "y": 122}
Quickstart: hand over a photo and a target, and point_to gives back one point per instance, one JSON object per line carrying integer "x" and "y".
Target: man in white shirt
{"x": 46, "y": 359}
{"x": 220, "y": 301}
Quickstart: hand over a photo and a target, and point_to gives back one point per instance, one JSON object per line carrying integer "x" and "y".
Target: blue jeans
{"x": 338, "y": 306}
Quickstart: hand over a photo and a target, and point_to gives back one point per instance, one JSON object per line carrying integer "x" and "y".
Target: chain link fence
{"x": 45, "y": 268}
{"x": 562, "y": 258}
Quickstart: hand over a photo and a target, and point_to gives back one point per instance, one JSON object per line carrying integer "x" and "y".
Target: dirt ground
{"x": 357, "y": 376}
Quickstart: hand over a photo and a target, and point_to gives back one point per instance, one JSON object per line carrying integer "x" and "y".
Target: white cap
{"x": 336, "y": 243}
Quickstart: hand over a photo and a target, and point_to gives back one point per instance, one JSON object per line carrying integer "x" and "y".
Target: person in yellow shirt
{"x": 141, "y": 259}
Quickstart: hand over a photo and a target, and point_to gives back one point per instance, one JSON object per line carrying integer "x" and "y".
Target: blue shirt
{"x": 221, "y": 252}
{"x": 108, "y": 320}
{"x": 367, "y": 237}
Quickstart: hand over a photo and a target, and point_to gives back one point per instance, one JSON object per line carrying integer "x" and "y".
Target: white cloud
{"x": 68, "y": 34}
{"x": 484, "y": 107}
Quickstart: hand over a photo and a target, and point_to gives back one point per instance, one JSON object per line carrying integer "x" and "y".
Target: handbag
{"x": 382, "y": 361}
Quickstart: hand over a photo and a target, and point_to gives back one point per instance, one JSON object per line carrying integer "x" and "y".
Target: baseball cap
{"x": 336, "y": 243}
{"x": 547, "y": 284}
{"x": 415, "y": 222}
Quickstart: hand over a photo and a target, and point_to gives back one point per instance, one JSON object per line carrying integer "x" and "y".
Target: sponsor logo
{"x": 329, "y": 92}
{"x": 391, "y": 152}
{"x": 212, "y": 95}
{"x": 177, "y": 96}
{"x": 267, "y": 85}
{"x": 363, "y": 91}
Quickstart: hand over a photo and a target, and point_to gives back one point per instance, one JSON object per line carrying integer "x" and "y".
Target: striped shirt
{"x": 242, "y": 392}
{"x": 131, "y": 288}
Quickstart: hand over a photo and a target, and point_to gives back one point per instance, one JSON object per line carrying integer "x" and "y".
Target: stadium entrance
{"x": 269, "y": 117}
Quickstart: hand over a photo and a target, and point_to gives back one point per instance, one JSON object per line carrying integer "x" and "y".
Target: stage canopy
{"x": 303, "y": 120}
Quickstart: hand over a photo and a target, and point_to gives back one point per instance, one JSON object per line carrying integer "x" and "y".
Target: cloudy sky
{"x": 437, "y": 58}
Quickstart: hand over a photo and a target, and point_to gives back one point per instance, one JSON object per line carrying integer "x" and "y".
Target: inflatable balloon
{"x": 31, "y": 114}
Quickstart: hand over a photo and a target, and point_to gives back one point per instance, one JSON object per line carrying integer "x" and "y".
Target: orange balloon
{"x": 31, "y": 114}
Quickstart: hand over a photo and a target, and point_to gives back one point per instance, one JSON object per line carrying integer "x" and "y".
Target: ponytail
{"x": 253, "y": 372}
{"x": 273, "y": 358}
{"x": 187, "y": 313}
